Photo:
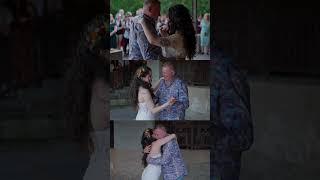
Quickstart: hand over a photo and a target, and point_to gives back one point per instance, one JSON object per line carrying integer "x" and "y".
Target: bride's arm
{"x": 156, "y": 109}
{"x": 145, "y": 96}
{"x": 153, "y": 38}
{"x": 164, "y": 140}
{"x": 156, "y": 86}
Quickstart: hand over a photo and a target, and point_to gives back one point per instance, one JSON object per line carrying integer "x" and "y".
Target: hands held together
{"x": 171, "y": 101}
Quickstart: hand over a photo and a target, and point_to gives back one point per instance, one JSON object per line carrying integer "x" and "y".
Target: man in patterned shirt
{"x": 172, "y": 164}
{"x": 139, "y": 46}
{"x": 231, "y": 114}
{"x": 172, "y": 86}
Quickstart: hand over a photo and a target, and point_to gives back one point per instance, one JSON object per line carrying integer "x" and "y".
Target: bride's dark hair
{"x": 146, "y": 140}
{"x": 180, "y": 20}
{"x": 137, "y": 82}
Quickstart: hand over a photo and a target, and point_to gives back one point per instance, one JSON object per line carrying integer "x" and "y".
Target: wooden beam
{"x": 194, "y": 13}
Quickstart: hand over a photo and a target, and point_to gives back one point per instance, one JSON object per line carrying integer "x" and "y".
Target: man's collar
{"x": 169, "y": 83}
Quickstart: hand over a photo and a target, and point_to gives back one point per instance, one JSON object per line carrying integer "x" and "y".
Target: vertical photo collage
{"x": 159, "y": 93}
{"x": 159, "y": 90}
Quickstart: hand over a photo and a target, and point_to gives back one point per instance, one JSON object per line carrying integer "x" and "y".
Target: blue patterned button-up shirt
{"x": 139, "y": 46}
{"x": 230, "y": 104}
{"x": 171, "y": 161}
{"x": 177, "y": 89}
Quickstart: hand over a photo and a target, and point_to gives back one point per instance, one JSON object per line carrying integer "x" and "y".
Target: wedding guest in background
{"x": 120, "y": 29}
{"x": 113, "y": 31}
{"x": 126, "y": 33}
{"x": 205, "y": 33}
{"x": 198, "y": 31}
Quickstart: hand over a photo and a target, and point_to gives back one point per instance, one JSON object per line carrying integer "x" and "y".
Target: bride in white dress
{"x": 151, "y": 171}
{"x": 142, "y": 95}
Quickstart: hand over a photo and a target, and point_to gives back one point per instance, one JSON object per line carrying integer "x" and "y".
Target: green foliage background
{"x": 203, "y": 6}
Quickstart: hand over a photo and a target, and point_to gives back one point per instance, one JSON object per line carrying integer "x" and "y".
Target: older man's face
{"x": 155, "y": 10}
{"x": 167, "y": 73}
{"x": 159, "y": 133}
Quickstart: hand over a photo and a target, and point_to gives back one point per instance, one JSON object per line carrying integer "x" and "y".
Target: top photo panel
{"x": 159, "y": 29}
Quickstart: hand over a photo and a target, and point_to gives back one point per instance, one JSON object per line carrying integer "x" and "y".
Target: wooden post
{"x": 194, "y": 13}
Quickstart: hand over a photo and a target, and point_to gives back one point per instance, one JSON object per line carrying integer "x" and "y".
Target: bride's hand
{"x": 164, "y": 32}
{"x": 147, "y": 149}
{"x": 171, "y": 101}
{"x": 174, "y": 135}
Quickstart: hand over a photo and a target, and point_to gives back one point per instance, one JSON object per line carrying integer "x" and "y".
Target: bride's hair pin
{"x": 138, "y": 74}
{"x": 141, "y": 71}
{"x": 147, "y": 133}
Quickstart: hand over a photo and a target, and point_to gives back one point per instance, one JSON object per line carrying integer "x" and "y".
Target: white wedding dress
{"x": 144, "y": 112}
{"x": 171, "y": 53}
{"x": 176, "y": 50}
{"x": 97, "y": 169}
{"x": 152, "y": 172}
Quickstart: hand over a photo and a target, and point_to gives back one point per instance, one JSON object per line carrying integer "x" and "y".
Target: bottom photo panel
{"x": 156, "y": 150}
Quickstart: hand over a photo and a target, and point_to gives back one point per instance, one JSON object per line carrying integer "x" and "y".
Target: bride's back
{"x": 175, "y": 48}
{"x": 144, "y": 95}
{"x": 145, "y": 104}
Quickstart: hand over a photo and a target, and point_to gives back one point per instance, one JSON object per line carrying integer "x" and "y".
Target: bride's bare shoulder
{"x": 143, "y": 90}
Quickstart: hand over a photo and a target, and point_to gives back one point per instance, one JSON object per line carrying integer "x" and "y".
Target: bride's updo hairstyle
{"x": 146, "y": 140}
{"x": 137, "y": 82}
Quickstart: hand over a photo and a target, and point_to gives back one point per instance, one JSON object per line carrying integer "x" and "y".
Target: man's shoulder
{"x": 179, "y": 81}
{"x": 135, "y": 21}
{"x": 172, "y": 143}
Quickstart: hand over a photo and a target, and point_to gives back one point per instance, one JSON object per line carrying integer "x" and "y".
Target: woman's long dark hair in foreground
{"x": 180, "y": 20}
{"x": 146, "y": 140}
{"x": 137, "y": 82}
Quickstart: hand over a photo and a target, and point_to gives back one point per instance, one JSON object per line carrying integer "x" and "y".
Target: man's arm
{"x": 142, "y": 43}
{"x": 157, "y": 93}
{"x": 155, "y": 39}
{"x": 151, "y": 37}
{"x": 134, "y": 52}
{"x": 157, "y": 85}
{"x": 166, "y": 156}
{"x": 183, "y": 99}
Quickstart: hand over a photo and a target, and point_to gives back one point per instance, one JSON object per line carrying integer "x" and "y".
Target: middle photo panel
{"x": 159, "y": 90}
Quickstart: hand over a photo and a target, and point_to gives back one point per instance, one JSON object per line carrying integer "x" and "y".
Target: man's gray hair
{"x": 169, "y": 64}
